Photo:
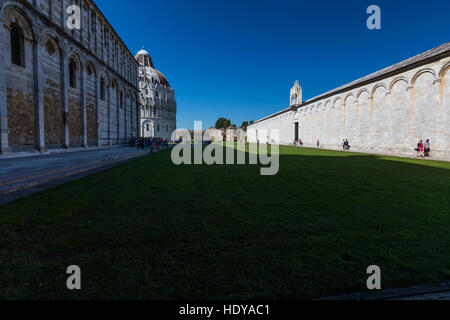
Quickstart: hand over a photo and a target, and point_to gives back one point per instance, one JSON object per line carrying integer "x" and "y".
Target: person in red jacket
{"x": 420, "y": 149}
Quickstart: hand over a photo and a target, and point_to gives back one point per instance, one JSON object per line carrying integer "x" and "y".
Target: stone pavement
{"x": 439, "y": 291}
{"x": 430, "y": 296}
{"x": 23, "y": 176}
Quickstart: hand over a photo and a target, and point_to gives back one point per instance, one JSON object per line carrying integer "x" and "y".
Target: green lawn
{"x": 151, "y": 230}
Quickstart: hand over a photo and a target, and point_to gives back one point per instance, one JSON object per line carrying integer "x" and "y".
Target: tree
{"x": 223, "y": 123}
{"x": 219, "y": 123}
{"x": 244, "y": 125}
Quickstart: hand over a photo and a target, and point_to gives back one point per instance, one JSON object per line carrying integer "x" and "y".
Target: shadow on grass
{"x": 150, "y": 229}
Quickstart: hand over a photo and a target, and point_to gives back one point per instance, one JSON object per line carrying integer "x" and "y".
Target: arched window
{"x": 17, "y": 46}
{"x": 72, "y": 74}
{"x": 90, "y": 71}
{"x": 93, "y": 22}
{"x": 51, "y": 50}
{"x": 102, "y": 89}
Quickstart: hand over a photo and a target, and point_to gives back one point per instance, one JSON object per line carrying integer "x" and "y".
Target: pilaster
{"x": 65, "y": 102}
{"x": 39, "y": 96}
{"x": 84, "y": 143}
{"x": 4, "y": 148}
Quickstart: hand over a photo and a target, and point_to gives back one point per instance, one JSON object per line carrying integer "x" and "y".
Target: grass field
{"x": 151, "y": 230}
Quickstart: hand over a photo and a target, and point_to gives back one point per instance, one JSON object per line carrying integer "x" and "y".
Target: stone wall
{"x": 53, "y": 114}
{"x": 51, "y": 75}
{"x": 114, "y": 114}
{"x": 20, "y": 89}
{"x": 133, "y": 113}
{"x": 121, "y": 116}
{"x": 388, "y": 115}
{"x": 91, "y": 110}
{"x": 166, "y": 128}
{"x": 104, "y": 113}
{"x": 127, "y": 114}
{"x": 75, "y": 127}
{"x": 21, "y": 126}
{"x": 38, "y": 107}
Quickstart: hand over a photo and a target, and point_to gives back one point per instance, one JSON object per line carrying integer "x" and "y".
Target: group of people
{"x": 299, "y": 143}
{"x": 423, "y": 150}
{"x": 345, "y": 144}
{"x": 142, "y": 142}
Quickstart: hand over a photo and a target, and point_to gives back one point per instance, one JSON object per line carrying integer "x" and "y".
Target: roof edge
{"x": 426, "y": 57}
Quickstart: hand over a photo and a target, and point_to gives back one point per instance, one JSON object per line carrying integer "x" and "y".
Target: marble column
{"x": 97, "y": 114}
{"x": 38, "y": 96}
{"x": 4, "y": 148}
{"x": 65, "y": 101}
{"x": 108, "y": 98}
{"x": 84, "y": 143}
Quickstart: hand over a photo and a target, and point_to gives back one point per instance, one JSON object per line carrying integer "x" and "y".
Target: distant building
{"x": 157, "y": 100}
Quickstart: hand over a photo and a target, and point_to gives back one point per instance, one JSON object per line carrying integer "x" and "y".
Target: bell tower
{"x": 296, "y": 94}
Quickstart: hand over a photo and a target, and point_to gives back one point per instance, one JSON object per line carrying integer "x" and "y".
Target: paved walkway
{"x": 431, "y": 296}
{"x": 22, "y": 176}
{"x": 440, "y": 291}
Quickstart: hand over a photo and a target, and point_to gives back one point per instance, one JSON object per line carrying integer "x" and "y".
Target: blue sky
{"x": 238, "y": 59}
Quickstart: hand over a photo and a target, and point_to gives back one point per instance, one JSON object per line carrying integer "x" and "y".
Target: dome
{"x": 162, "y": 79}
{"x": 143, "y": 52}
{"x": 147, "y": 69}
{"x": 149, "y": 74}
{"x": 144, "y": 59}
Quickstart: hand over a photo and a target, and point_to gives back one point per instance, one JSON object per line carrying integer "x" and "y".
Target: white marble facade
{"x": 157, "y": 99}
{"x": 63, "y": 88}
{"x": 386, "y": 112}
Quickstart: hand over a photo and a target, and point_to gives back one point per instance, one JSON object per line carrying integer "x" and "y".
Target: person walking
{"x": 318, "y": 143}
{"x": 420, "y": 149}
{"x": 427, "y": 148}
